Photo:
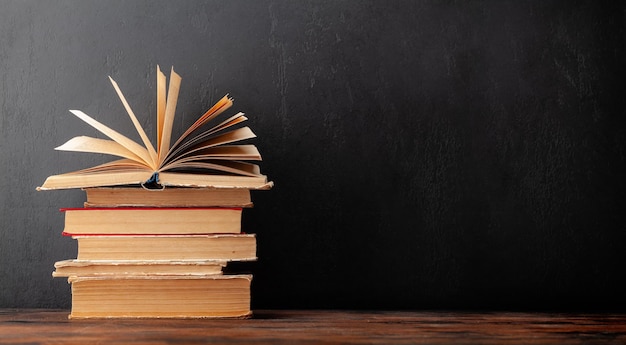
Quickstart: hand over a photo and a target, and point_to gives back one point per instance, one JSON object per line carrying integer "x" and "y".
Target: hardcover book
{"x": 152, "y": 221}
{"x": 211, "y": 296}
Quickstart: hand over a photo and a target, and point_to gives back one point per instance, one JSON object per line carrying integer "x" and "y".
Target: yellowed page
{"x": 214, "y": 181}
{"x": 170, "y": 110}
{"x": 234, "y": 167}
{"x": 229, "y": 137}
{"x": 237, "y": 152}
{"x": 177, "y": 149}
{"x": 72, "y": 267}
{"x": 231, "y": 121}
{"x": 215, "y": 110}
{"x": 225, "y": 138}
{"x": 161, "y": 94}
{"x": 135, "y": 148}
{"x": 142, "y": 133}
{"x": 76, "y": 180}
{"x": 113, "y": 166}
{"x": 96, "y": 145}
{"x": 225, "y": 152}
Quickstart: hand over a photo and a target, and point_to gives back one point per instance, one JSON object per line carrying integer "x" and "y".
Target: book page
{"x": 161, "y": 94}
{"x": 215, "y": 110}
{"x": 233, "y": 120}
{"x": 132, "y": 146}
{"x": 95, "y": 179}
{"x": 95, "y": 145}
{"x": 133, "y": 118}
{"x": 120, "y": 164}
{"x": 232, "y": 152}
{"x": 228, "y": 137}
{"x": 238, "y": 152}
{"x": 233, "y": 167}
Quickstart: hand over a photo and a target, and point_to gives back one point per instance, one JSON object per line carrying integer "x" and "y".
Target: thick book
{"x": 209, "y": 296}
{"x": 200, "y": 157}
{"x": 168, "y": 197}
{"x": 151, "y": 221}
{"x": 86, "y": 268}
{"x": 228, "y": 247}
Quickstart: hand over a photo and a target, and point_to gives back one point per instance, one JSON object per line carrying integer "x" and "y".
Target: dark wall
{"x": 426, "y": 154}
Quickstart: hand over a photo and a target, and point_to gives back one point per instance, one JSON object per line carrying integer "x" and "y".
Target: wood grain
{"x": 314, "y": 327}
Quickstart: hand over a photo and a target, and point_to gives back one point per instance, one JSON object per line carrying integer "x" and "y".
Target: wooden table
{"x": 320, "y": 327}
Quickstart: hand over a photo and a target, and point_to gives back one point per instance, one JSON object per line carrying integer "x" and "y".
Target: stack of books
{"x": 159, "y": 225}
{"x": 145, "y": 253}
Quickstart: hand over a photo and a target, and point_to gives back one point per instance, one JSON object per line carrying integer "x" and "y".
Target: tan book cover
{"x": 151, "y": 221}
{"x": 86, "y": 268}
{"x": 228, "y": 247}
{"x": 209, "y": 296}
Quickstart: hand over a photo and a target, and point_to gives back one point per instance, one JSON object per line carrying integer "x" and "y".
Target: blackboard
{"x": 426, "y": 154}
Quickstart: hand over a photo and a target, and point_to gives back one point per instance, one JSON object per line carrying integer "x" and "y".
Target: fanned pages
{"x": 142, "y": 133}
{"x": 95, "y": 145}
{"x": 170, "y": 110}
{"x": 137, "y": 149}
{"x": 210, "y": 157}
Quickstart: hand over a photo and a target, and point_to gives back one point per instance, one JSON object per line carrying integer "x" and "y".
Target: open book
{"x": 199, "y": 158}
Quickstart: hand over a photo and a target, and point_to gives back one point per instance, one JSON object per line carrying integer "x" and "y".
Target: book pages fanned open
{"x": 203, "y": 156}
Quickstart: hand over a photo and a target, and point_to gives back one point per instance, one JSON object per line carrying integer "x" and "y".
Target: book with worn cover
{"x": 113, "y": 268}
{"x": 152, "y": 221}
{"x": 122, "y": 196}
{"x": 186, "y": 296}
{"x": 226, "y": 247}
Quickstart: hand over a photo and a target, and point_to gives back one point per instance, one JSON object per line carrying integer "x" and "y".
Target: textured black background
{"x": 426, "y": 154}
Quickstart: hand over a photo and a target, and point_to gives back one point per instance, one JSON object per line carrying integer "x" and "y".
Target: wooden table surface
{"x": 320, "y": 327}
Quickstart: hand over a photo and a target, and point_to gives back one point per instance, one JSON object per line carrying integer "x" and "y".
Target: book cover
{"x": 151, "y": 221}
